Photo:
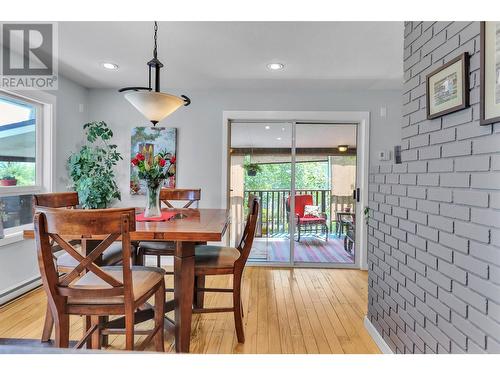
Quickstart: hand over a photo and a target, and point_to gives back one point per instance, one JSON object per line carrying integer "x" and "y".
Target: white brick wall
{"x": 434, "y": 227}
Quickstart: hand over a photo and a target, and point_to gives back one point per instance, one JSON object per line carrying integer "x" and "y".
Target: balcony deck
{"x": 272, "y": 242}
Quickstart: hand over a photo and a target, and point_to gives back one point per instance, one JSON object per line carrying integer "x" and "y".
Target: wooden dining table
{"x": 188, "y": 227}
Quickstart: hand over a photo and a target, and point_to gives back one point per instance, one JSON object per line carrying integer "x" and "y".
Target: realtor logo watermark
{"x": 28, "y": 56}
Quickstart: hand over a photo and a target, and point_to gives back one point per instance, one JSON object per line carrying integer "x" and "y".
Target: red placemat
{"x": 164, "y": 217}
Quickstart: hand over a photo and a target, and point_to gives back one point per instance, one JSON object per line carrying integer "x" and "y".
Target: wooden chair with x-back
{"x": 221, "y": 260}
{"x": 167, "y": 248}
{"x": 64, "y": 262}
{"x": 91, "y": 290}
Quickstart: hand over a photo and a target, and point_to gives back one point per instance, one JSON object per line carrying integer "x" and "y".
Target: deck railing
{"x": 273, "y": 220}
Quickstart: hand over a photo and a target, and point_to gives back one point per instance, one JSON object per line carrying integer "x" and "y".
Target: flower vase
{"x": 153, "y": 199}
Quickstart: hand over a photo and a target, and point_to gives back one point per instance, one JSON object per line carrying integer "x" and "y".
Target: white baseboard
{"x": 19, "y": 289}
{"x": 382, "y": 345}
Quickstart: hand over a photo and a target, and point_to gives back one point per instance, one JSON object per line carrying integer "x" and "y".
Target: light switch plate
{"x": 384, "y": 155}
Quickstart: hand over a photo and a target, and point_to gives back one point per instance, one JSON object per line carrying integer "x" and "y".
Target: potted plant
{"x": 92, "y": 168}
{"x": 7, "y": 175}
{"x": 252, "y": 168}
{"x": 154, "y": 169}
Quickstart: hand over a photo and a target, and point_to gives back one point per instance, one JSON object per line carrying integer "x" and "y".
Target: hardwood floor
{"x": 286, "y": 311}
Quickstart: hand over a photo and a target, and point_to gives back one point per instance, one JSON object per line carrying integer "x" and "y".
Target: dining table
{"x": 187, "y": 227}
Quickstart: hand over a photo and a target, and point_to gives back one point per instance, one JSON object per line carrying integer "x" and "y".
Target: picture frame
{"x": 490, "y": 72}
{"x": 447, "y": 88}
{"x": 155, "y": 139}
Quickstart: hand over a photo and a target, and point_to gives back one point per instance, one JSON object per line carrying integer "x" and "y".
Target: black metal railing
{"x": 274, "y": 216}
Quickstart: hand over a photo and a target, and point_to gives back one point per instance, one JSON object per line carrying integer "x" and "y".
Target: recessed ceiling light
{"x": 278, "y": 139}
{"x": 109, "y": 66}
{"x": 275, "y": 66}
{"x": 268, "y": 127}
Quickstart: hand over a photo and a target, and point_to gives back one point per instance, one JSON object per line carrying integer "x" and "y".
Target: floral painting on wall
{"x": 152, "y": 140}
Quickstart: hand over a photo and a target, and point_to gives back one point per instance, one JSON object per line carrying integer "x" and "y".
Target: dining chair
{"x": 91, "y": 290}
{"x": 64, "y": 262}
{"x": 222, "y": 260}
{"x": 167, "y": 248}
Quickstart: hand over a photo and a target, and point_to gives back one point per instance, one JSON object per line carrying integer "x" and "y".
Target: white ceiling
{"x": 202, "y": 55}
{"x": 262, "y": 135}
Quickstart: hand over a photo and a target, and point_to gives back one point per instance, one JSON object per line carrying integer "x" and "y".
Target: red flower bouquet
{"x": 154, "y": 169}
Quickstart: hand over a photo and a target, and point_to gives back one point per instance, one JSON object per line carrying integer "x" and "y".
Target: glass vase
{"x": 153, "y": 199}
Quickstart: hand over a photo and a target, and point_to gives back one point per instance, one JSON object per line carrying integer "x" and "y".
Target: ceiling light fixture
{"x": 109, "y": 66}
{"x": 152, "y": 103}
{"x": 275, "y": 66}
{"x": 268, "y": 127}
{"x": 342, "y": 148}
{"x": 278, "y": 139}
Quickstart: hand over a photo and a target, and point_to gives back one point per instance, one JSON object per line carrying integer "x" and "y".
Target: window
{"x": 18, "y": 122}
{"x": 23, "y": 160}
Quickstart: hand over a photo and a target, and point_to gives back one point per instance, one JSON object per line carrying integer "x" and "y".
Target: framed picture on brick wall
{"x": 447, "y": 87}
{"x": 490, "y": 72}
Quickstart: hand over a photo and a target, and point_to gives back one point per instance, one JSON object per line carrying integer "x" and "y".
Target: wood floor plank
{"x": 285, "y": 311}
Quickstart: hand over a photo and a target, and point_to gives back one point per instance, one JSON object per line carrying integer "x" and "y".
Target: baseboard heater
{"x": 21, "y": 288}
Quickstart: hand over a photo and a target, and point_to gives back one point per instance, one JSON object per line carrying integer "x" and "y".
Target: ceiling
{"x": 205, "y": 55}
{"x": 277, "y": 135}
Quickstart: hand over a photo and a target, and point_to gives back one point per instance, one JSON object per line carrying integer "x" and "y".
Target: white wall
{"x": 18, "y": 261}
{"x": 69, "y": 125}
{"x": 200, "y": 127}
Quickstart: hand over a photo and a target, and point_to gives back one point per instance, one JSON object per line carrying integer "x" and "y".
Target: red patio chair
{"x": 304, "y": 223}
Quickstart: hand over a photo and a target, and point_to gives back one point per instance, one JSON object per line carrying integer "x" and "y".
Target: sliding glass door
{"x": 325, "y": 179}
{"x": 305, "y": 176}
{"x": 261, "y": 166}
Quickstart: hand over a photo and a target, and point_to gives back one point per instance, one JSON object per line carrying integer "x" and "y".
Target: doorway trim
{"x": 361, "y": 118}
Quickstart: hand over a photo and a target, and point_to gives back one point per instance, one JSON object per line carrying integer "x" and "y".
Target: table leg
{"x": 183, "y": 294}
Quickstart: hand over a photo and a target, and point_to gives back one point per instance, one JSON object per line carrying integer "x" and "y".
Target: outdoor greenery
{"x": 309, "y": 175}
{"x": 24, "y": 173}
{"x": 92, "y": 168}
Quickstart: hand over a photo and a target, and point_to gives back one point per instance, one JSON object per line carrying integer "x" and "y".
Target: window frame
{"x": 45, "y": 153}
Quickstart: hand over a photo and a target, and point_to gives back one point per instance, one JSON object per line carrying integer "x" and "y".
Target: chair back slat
{"x": 86, "y": 223}
{"x": 189, "y": 195}
{"x": 246, "y": 242}
{"x": 56, "y": 200}
{"x": 55, "y": 223}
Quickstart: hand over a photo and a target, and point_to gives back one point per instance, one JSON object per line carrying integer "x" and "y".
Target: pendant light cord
{"x": 155, "y": 50}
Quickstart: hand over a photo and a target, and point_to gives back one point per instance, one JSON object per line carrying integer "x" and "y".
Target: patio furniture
{"x": 350, "y": 234}
{"x": 91, "y": 290}
{"x": 340, "y": 223}
{"x": 221, "y": 260}
{"x": 66, "y": 263}
{"x": 304, "y": 222}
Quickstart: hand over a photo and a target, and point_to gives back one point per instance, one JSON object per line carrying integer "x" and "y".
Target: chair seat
{"x": 143, "y": 280}
{"x": 208, "y": 256}
{"x": 163, "y": 247}
{"x": 111, "y": 256}
{"x": 312, "y": 219}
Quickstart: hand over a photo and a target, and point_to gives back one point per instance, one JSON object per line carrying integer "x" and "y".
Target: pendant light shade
{"x": 155, "y": 106}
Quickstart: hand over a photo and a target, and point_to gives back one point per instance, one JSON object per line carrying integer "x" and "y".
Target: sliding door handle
{"x": 355, "y": 194}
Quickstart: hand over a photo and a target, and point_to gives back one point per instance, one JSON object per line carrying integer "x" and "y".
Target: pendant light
{"x": 153, "y": 104}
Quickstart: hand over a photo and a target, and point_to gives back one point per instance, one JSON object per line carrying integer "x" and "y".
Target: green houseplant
{"x": 92, "y": 168}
